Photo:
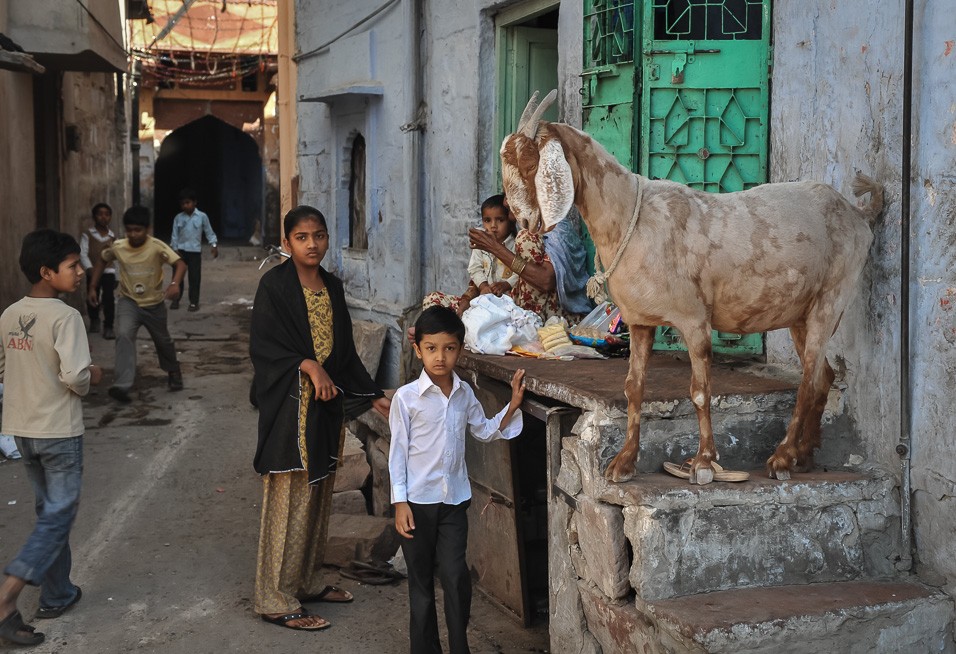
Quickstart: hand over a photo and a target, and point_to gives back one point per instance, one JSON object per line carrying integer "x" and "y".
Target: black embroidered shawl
{"x": 280, "y": 339}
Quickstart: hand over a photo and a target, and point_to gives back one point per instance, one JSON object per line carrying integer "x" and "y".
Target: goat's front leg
{"x": 699, "y": 348}
{"x": 623, "y": 466}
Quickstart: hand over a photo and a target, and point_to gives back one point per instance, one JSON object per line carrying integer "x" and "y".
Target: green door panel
{"x": 693, "y": 106}
{"x": 529, "y": 63}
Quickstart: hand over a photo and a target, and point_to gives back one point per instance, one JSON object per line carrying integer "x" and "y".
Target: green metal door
{"x": 700, "y": 85}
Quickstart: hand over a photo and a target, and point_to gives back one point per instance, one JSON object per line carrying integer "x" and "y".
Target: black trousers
{"x": 193, "y": 275}
{"x": 105, "y": 291}
{"x": 441, "y": 535}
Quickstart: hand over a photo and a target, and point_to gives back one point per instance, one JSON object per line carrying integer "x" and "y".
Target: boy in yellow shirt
{"x": 141, "y": 299}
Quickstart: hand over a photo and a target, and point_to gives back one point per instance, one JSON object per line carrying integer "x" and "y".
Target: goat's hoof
{"x": 618, "y": 471}
{"x": 782, "y": 475}
{"x": 701, "y": 476}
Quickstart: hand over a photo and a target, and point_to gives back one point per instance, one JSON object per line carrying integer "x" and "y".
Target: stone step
{"x": 856, "y": 617}
{"x": 686, "y": 539}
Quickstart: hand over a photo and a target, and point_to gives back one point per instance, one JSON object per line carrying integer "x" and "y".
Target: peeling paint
{"x": 949, "y": 48}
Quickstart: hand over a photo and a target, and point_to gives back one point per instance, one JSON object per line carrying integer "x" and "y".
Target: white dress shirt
{"x": 426, "y": 459}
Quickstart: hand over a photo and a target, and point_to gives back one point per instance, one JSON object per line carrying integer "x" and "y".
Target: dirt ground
{"x": 165, "y": 543}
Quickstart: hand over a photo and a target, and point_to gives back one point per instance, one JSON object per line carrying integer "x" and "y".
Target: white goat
{"x": 778, "y": 255}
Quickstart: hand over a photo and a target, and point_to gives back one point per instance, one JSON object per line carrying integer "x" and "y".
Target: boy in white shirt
{"x": 45, "y": 366}
{"x": 430, "y": 487}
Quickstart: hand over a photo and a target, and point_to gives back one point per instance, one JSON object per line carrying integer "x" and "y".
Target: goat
{"x": 774, "y": 256}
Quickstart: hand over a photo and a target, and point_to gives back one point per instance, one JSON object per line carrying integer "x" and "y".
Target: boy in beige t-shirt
{"x": 141, "y": 299}
{"x": 45, "y": 366}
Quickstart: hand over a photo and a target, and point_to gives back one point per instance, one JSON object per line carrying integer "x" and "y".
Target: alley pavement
{"x": 164, "y": 546}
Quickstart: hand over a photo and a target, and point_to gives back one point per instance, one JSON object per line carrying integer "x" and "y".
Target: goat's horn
{"x": 528, "y": 110}
{"x": 531, "y": 127}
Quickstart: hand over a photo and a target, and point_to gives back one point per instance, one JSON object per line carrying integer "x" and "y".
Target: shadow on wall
{"x": 222, "y": 164}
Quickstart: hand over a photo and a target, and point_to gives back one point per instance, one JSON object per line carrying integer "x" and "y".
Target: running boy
{"x": 92, "y": 242}
{"x": 141, "y": 258}
{"x": 188, "y": 227}
{"x": 430, "y": 488}
{"x": 45, "y": 366}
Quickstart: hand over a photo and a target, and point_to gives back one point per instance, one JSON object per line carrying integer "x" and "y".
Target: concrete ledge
{"x": 862, "y": 617}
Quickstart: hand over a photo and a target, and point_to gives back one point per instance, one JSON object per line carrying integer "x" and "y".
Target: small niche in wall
{"x": 358, "y": 234}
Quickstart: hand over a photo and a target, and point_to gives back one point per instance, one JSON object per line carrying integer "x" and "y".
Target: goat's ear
{"x": 553, "y": 183}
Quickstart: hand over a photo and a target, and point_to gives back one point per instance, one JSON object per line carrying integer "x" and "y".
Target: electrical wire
{"x": 325, "y": 46}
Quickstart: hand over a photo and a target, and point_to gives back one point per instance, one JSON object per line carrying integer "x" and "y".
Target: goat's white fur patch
{"x": 554, "y": 184}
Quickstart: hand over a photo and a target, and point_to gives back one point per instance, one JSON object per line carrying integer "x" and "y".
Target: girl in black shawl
{"x": 305, "y": 365}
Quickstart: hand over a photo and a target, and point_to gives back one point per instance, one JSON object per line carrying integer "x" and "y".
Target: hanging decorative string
{"x": 597, "y": 285}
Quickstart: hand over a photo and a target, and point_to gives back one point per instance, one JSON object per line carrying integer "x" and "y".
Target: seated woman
{"x": 552, "y": 268}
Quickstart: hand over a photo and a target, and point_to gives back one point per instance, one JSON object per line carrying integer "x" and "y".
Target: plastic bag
{"x": 597, "y": 324}
{"x": 494, "y": 324}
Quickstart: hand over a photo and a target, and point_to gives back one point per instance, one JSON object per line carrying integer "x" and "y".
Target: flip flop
{"x": 12, "y": 629}
{"x": 683, "y": 471}
{"x": 371, "y": 577}
{"x": 47, "y": 612}
{"x": 284, "y": 620}
{"x": 323, "y": 596}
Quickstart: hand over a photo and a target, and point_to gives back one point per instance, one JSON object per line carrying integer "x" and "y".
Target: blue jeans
{"x": 55, "y": 468}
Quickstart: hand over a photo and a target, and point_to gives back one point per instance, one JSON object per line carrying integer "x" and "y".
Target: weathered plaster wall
{"x": 98, "y": 170}
{"x": 934, "y": 288}
{"x": 17, "y": 187}
{"x": 837, "y": 107}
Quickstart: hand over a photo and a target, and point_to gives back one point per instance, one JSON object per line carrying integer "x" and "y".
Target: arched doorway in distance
{"x": 223, "y": 165}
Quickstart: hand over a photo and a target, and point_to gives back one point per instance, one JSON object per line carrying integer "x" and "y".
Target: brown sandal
{"x": 683, "y": 471}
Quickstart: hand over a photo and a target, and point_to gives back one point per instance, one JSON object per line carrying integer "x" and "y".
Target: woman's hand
{"x": 479, "y": 239}
{"x": 462, "y": 305}
{"x": 382, "y": 405}
{"x": 404, "y": 520}
{"x": 325, "y": 390}
{"x": 501, "y": 288}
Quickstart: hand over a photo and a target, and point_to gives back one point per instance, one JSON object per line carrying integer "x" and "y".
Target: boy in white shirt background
{"x": 430, "y": 488}
{"x": 189, "y": 225}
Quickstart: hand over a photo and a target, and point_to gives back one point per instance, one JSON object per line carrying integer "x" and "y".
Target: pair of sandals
{"x": 332, "y": 594}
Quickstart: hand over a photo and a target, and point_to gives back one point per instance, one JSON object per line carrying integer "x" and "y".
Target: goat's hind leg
{"x": 623, "y": 466}
{"x": 795, "y": 452}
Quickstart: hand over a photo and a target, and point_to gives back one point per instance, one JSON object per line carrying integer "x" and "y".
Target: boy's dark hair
{"x": 300, "y": 213}
{"x": 439, "y": 320}
{"x": 187, "y": 194}
{"x": 494, "y": 202}
{"x": 45, "y": 248}
{"x": 101, "y": 205}
{"x": 137, "y": 215}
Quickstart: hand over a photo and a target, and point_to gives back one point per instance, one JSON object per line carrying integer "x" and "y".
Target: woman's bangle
{"x": 518, "y": 264}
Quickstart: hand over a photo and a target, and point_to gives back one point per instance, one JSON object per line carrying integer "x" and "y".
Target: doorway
{"x": 222, "y": 164}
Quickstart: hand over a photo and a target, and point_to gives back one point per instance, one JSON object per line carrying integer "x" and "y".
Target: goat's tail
{"x": 863, "y": 185}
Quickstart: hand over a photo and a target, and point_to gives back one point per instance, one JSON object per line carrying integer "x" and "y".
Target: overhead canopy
{"x": 238, "y": 27}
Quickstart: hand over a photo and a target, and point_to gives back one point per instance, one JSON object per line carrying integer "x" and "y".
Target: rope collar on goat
{"x": 595, "y": 287}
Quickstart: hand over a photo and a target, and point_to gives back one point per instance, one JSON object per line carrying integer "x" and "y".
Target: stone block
{"x": 360, "y": 538}
{"x": 353, "y": 470}
{"x": 566, "y": 624}
{"x": 616, "y": 625}
{"x": 369, "y": 341}
{"x": 350, "y": 502}
{"x": 600, "y": 530}
{"x": 381, "y": 481}
{"x": 817, "y": 528}
{"x": 569, "y": 475}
